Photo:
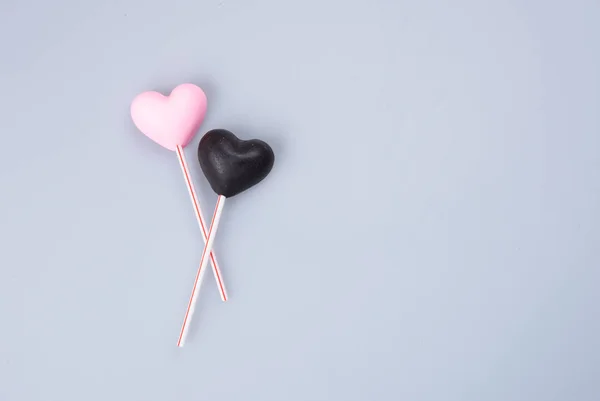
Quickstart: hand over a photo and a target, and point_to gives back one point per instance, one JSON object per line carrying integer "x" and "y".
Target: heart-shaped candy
{"x": 172, "y": 120}
{"x": 232, "y": 165}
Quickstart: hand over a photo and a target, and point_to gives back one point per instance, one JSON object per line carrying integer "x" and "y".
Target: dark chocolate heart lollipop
{"x": 232, "y": 165}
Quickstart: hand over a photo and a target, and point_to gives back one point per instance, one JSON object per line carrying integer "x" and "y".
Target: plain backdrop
{"x": 430, "y": 230}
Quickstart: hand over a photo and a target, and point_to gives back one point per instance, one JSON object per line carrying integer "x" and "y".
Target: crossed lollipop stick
{"x": 201, "y": 222}
{"x": 172, "y": 121}
{"x": 229, "y": 164}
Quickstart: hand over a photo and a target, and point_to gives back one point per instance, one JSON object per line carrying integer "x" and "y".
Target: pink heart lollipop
{"x": 171, "y": 121}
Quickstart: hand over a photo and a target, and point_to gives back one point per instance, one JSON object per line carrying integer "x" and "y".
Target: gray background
{"x": 430, "y": 230}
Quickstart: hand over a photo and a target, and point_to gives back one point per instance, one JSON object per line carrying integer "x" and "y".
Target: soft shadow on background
{"x": 430, "y": 229}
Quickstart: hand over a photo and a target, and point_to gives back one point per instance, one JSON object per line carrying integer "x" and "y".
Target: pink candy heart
{"x": 172, "y": 120}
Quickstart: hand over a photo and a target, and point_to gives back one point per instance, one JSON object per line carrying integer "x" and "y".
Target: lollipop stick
{"x": 201, "y": 222}
{"x": 201, "y": 270}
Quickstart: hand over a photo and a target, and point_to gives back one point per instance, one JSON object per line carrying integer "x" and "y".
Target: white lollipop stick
{"x": 201, "y": 222}
{"x": 212, "y": 231}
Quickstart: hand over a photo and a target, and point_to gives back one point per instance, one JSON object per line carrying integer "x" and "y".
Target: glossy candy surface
{"x": 172, "y": 120}
{"x": 232, "y": 165}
